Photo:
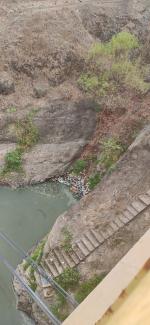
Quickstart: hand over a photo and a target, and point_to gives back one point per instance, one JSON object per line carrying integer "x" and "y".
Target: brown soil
{"x": 123, "y": 123}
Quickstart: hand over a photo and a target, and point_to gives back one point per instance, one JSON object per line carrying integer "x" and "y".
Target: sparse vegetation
{"x": 36, "y": 255}
{"x": 11, "y": 109}
{"x": 112, "y": 65}
{"x": 86, "y": 287}
{"x": 67, "y": 239}
{"x": 59, "y": 308}
{"x": 120, "y": 44}
{"x": 79, "y": 166}
{"x": 27, "y": 136}
{"x": 32, "y": 279}
{"x": 27, "y": 133}
{"x": 68, "y": 279}
{"x": 111, "y": 151}
{"x": 94, "y": 180}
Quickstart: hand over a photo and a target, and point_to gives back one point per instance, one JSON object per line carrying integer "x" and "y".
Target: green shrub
{"x": 94, "y": 180}
{"x": 112, "y": 150}
{"x": 88, "y": 286}
{"x": 94, "y": 84}
{"x": 111, "y": 65}
{"x": 13, "y": 161}
{"x": 79, "y": 166}
{"x": 129, "y": 74}
{"x": 121, "y": 43}
{"x": 68, "y": 279}
{"x": 88, "y": 82}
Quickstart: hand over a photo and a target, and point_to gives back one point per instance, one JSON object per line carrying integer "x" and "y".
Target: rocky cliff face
{"x": 43, "y": 46}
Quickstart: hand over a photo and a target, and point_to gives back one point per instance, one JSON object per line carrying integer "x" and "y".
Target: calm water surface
{"x": 26, "y": 215}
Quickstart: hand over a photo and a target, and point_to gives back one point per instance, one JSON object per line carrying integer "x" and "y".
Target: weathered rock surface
{"x": 47, "y": 160}
{"x": 64, "y": 128}
{"x": 43, "y": 47}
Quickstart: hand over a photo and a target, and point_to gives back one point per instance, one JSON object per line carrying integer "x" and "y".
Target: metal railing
{"x": 41, "y": 272}
{"x": 34, "y": 295}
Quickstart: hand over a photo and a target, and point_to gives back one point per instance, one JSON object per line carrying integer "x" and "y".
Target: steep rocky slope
{"x": 43, "y": 50}
{"x": 43, "y": 46}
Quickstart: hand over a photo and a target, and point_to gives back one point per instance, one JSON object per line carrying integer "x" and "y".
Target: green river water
{"x": 26, "y": 215}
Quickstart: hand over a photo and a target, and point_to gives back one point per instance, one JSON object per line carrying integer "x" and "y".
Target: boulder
{"x": 40, "y": 89}
{"x": 47, "y": 160}
{"x": 6, "y": 84}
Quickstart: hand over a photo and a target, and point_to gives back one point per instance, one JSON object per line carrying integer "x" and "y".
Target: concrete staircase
{"x": 58, "y": 259}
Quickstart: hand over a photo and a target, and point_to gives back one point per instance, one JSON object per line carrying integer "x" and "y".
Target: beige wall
{"x": 96, "y": 304}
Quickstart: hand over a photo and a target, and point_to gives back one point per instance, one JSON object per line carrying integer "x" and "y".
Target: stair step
{"x": 114, "y": 226}
{"x": 88, "y": 244}
{"x": 78, "y": 252}
{"x": 58, "y": 266}
{"x": 92, "y": 239}
{"x": 44, "y": 283}
{"x": 145, "y": 198}
{"x": 118, "y": 222}
{"x": 128, "y": 215}
{"x": 60, "y": 258}
{"x": 138, "y": 205}
{"x": 110, "y": 230}
{"x": 104, "y": 233}
{"x": 74, "y": 257}
{"x": 82, "y": 247}
{"x": 68, "y": 259}
{"x": 123, "y": 218}
{"x": 50, "y": 265}
{"x": 107, "y": 232}
{"x": 97, "y": 236}
{"x": 132, "y": 210}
